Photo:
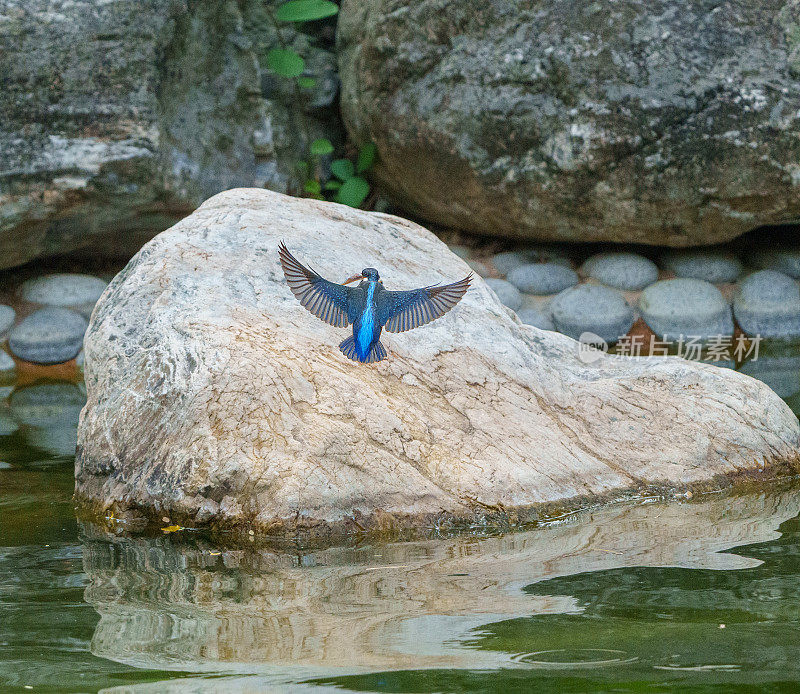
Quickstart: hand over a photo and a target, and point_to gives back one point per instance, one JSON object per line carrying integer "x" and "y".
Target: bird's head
{"x": 368, "y": 273}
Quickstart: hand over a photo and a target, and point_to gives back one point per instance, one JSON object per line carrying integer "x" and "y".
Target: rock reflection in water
{"x": 48, "y": 412}
{"x": 195, "y": 607}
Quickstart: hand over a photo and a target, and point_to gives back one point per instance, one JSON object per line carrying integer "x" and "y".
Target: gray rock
{"x": 793, "y": 402}
{"x": 506, "y": 292}
{"x": 460, "y": 251}
{"x": 655, "y": 122}
{"x": 785, "y": 260}
{"x": 182, "y": 412}
{"x": 547, "y": 253}
{"x": 507, "y": 261}
{"x": 48, "y": 336}
{"x": 782, "y": 374}
{"x": 719, "y": 363}
{"x": 479, "y": 266}
{"x": 51, "y": 404}
{"x": 181, "y": 105}
{"x": 591, "y": 308}
{"x": 710, "y": 266}
{"x": 383, "y": 204}
{"x": 687, "y": 307}
{"x": 73, "y": 290}
{"x": 80, "y": 359}
{"x": 7, "y": 317}
{"x": 6, "y": 362}
{"x": 541, "y": 303}
{"x": 59, "y": 441}
{"x": 542, "y": 278}
{"x": 536, "y": 318}
{"x": 767, "y": 303}
{"x": 50, "y": 413}
{"x": 8, "y": 425}
{"x": 621, "y": 270}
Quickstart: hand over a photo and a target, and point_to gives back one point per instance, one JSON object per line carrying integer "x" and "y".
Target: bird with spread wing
{"x": 368, "y": 306}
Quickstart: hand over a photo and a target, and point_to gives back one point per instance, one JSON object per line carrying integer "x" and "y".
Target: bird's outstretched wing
{"x": 328, "y": 301}
{"x": 401, "y": 311}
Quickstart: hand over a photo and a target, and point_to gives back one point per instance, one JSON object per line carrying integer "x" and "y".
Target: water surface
{"x": 701, "y": 596}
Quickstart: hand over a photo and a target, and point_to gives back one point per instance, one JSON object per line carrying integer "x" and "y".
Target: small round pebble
{"x": 785, "y": 260}
{"x": 782, "y": 374}
{"x": 592, "y": 308}
{"x": 767, "y": 303}
{"x": 536, "y": 318}
{"x": 63, "y": 290}
{"x": 7, "y": 317}
{"x": 687, "y": 307}
{"x": 50, "y": 412}
{"x": 48, "y": 404}
{"x": 508, "y": 261}
{"x": 8, "y": 425}
{"x": 461, "y": 251}
{"x": 542, "y": 278}
{"x": 480, "y": 267}
{"x": 506, "y": 292}
{"x": 629, "y": 271}
{"x": 711, "y": 266}
{"x": 6, "y": 362}
{"x": 547, "y": 254}
{"x": 48, "y": 336}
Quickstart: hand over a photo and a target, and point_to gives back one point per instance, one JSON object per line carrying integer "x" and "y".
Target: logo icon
{"x": 591, "y": 347}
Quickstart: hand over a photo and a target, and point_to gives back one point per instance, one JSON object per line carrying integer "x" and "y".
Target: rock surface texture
{"x": 118, "y": 117}
{"x": 253, "y": 417}
{"x": 659, "y": 122}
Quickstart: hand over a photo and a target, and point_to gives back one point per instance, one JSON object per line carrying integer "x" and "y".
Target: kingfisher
{"x": 368, "y": 306}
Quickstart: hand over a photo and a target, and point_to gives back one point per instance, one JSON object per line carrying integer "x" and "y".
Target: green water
{"x": 694, "y": 597}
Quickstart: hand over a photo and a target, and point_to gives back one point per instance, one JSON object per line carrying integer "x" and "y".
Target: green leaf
{"x": 306, "y": 82}
{"x": 306, "y": 10}
{"x": 312, "y": 187}
{"x": 302, "y": 167}
{"x": 321, "y": 146}
{"x": 333, "y": 184}
{"x": 353, "y": 191}
{"x": 342, "y": 168}
{"x": 285, "y": 62}
{"x": 366, "y": 156}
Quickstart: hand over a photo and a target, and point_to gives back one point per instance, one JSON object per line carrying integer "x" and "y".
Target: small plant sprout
{"x": 347, "y": 186}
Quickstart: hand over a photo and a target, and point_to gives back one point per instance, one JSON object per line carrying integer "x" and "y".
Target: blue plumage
{"x": 365, "y": 332}
{"x": 369, "y": 307}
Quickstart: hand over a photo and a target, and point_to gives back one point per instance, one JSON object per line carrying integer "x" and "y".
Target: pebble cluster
{"x": 696, "y": 292}
{"x": 49, "y": 319}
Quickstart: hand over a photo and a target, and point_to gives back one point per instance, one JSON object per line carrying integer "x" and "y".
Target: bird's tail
{"x": 376, "y": 353}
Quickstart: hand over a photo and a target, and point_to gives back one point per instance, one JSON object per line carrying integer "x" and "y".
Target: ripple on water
{"x": 575, "y": 658}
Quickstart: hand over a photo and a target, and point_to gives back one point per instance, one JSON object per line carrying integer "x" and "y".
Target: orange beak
{"x": 354, "y": 278}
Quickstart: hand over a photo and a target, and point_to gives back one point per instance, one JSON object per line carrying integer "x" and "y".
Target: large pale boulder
{"x": 119, "y": 117}
{"x": 213, "y": 396}
{"x": 654, "y": 121}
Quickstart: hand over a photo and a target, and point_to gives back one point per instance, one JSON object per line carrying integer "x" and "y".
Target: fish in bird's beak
{"x": 354, "y": 278}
